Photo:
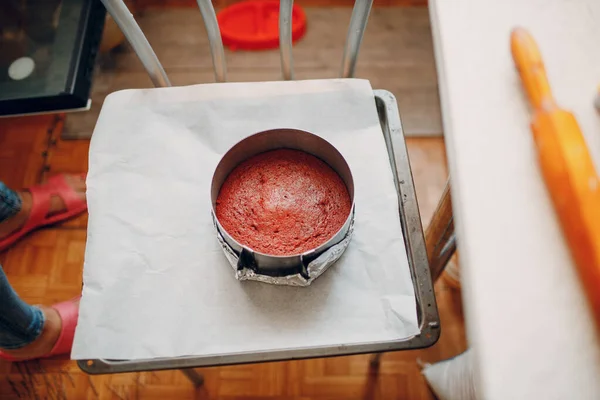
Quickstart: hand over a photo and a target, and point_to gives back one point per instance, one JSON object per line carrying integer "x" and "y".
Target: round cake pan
{"x": 309, "y": 264}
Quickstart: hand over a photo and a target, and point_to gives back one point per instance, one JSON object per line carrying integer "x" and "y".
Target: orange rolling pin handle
{"x": 528, "y": 61}
{"x": 566, "y": 165}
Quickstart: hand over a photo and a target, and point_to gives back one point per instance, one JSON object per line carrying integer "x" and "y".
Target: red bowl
{"x": 254, "y": 24}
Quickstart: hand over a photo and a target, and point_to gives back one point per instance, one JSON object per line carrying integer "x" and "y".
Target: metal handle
{"x": 214, "y": 38}
{"x": 356, "y": 30}
{"x": 120, "y": 13}
{"x": 285, "y": 38}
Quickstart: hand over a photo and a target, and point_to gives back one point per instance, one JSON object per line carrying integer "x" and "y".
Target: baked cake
{"x": 283, "y": 202}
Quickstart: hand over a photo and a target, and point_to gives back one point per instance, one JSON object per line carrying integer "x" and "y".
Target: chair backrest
{"x": 120, "y": 13}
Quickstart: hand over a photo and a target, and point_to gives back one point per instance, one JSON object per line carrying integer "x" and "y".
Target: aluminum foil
{"x": 315, "y": 268}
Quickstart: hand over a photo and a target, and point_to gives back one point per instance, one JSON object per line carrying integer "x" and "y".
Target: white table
{"x": 527, "y": 317}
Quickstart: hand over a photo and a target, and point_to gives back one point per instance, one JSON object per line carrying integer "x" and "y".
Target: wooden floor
{"x": 396, "y": 55}
{"x": 47, "y": 267}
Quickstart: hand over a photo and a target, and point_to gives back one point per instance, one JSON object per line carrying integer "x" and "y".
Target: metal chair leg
{"x": 120, "y": 13}
{"x": 194, "y": 377}
{"x": 214, "y": 39}
{"x": 439, "y": 236}
{"x": 356, "y": 30}
{"x": 285, "y": 38}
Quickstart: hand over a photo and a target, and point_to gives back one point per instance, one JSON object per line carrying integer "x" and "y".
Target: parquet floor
{"x": 47, "y": 267}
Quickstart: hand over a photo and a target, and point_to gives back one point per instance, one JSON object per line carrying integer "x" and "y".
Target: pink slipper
{"x": 41, "y": 195}
{"x": 69, "y": 312}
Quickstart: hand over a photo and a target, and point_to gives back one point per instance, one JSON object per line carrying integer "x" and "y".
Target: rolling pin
{"x": 566, "y": 166}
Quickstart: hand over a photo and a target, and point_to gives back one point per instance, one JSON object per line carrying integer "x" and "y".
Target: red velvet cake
{"x": 283, "y": 202}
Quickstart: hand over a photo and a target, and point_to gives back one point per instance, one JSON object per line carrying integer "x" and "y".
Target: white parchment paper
{"x": 156, "y": 283}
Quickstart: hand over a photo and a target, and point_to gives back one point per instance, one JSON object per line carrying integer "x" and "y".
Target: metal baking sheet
{"x": 427, "y": 312}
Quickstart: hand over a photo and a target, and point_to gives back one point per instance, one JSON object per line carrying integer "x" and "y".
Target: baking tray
{"x": 427, "y": 312}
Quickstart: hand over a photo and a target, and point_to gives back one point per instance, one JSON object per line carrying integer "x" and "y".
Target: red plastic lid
{"x": 254, "y": 24}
